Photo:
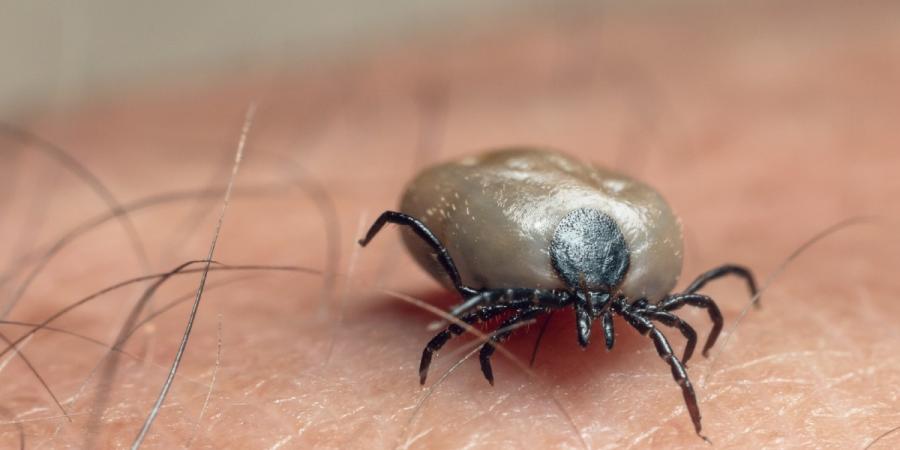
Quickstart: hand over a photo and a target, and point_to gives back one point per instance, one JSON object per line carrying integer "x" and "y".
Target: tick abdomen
{"x": 497, "y": 214}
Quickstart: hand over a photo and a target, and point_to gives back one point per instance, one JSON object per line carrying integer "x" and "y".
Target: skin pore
{"x": 761, "y": 125}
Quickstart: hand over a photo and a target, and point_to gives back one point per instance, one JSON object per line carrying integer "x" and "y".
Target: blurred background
{"x": 55, "y": 52}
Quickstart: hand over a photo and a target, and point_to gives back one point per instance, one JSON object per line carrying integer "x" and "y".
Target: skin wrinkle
{"x": 790, "y": 406}
{"x": 20, "y": 346}
{"x": 251, "y": 110}
{"x": 831, "y": 396}
{"x": 777, "y": 358}
{"x": 278, "y": 421}
{"x": 281, "y": 443}
{"x": 71, "y": 400}
{"x": 84, "y": 384}
{"x": 768, "y": 132}
{"x": 37, "y": 376}
{"x": 781, "y": 358}
{"x": 420, "y": 403}
{"x": 415, "y": 438}
{"x": 212, "y": 382}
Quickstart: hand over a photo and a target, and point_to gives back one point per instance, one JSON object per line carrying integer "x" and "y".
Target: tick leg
{"x": 583, "y": 321}
{"x": 487, "y": 297}
{"x": 609, "y": 333}
{"x": 686, "y": 330}
{"x": 488, "y": 349}
{"x": 518, "y": 298}
{"x": 440, "y": 339}
{"x": 701, "y": 301}
{"x": 428, "y": 237}
{"x": 721, "y": 271}
{"x": 679, "y": 373}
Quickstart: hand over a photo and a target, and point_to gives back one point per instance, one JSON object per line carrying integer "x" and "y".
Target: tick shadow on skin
{"x": 560, "y": 360}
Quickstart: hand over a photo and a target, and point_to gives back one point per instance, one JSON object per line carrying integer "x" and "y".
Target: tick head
{"x": 589, "y": 249}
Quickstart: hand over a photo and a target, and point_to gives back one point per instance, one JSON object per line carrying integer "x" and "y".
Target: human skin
{"x": 762, "y": 126}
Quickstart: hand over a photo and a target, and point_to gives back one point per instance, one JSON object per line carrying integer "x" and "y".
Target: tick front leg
{"x": 722, "y": 271}
{"x": 679, "y": 373}
{"x": 674, "y": 321}
{"x": 427, "y": 236}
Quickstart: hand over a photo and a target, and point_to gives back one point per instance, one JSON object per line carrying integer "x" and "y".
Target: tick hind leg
{"x": 427, "y": 236}
{"x": 664, "y": 349}
{"x": 488, "y": 349}
{"x": 722, "y": 271}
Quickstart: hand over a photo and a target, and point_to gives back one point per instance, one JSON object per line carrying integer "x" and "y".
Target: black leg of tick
{"x": 701, "y": 301}
{"x": 520, "y": 297}
{"x": 488, "y": 349}
{"x": 487, "y": 297}
{"x": 721, "y": 271}
{"x": 679, "y": 373}
{"x": 583, "y": 320}
{"x": 686, "y": 330}
{"x": 440, "y": 339}
{"x": 428, "y": 237}
{"x": 609, "y": 333}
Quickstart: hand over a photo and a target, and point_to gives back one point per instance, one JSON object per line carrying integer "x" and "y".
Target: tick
{"x": 521, "y": 232}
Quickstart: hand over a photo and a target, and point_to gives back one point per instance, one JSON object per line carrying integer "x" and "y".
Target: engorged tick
{"x": 537, "y": 231}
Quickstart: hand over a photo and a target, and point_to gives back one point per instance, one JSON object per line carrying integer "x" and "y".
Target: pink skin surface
{"x": 761, "y": 125}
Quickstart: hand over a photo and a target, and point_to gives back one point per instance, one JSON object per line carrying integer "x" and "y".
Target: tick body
{"x": 520, "y": 233}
